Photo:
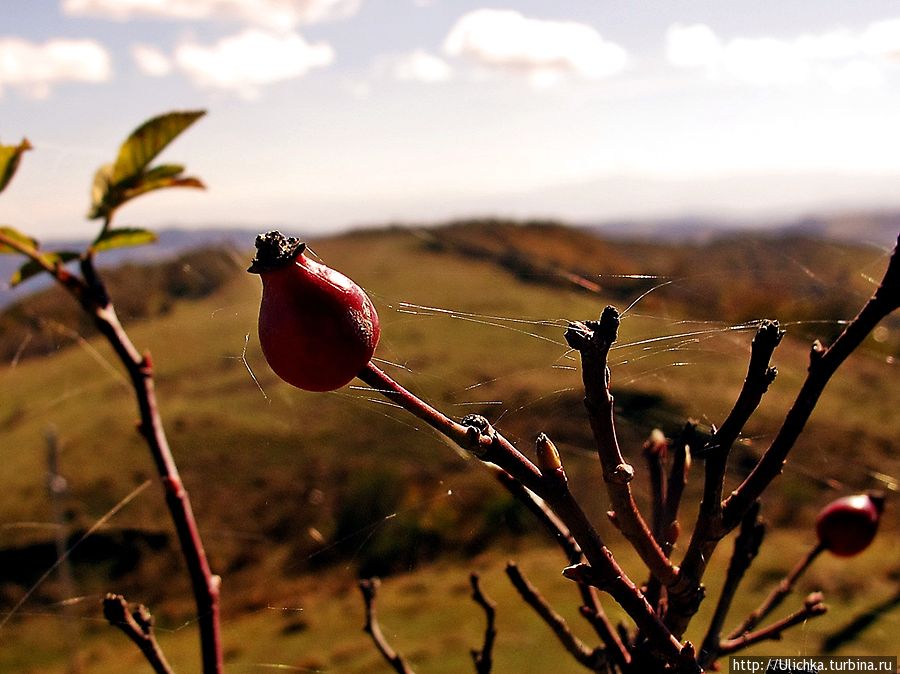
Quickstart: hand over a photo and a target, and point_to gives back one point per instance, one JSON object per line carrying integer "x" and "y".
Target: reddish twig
{"x": 709, "y": 530}
{"x": 593, "y": 339}
{"x": 490, "y": 446}
{"x": 824, "y": 362}
{"x": 777, "y": 595}
{"x": 812, "y": 606}
{"x": 718, "y": 517}
{"x": 369, "y": 588}
{"x": 483, "y": 657}
{"x": 592, "y": 658}
{"x": 137, "y": 626}
{"x": 746, "y": 547}
{"x": 675, "y": 484}
{"x": 205, "y": 584}
{"x": 544, "y": 514}
{"x": 656, "y": 449}
{"x": 591, "y": 609}
{"x": 91, "y": 293}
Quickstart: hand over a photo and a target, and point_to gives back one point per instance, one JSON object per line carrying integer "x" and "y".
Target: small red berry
{"x": 848, "y": 525}
{"x": 317, "y": 328}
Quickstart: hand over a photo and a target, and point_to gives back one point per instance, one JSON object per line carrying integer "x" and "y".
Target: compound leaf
{"x": 148, "y": 140}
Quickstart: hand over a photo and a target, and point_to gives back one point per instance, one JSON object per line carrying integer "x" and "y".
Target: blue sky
{"x": 325, "y": 114}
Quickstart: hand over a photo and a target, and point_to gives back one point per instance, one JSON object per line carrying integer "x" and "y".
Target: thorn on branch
{"x": 369, "y": 588}
{"x": 137, "y": 626}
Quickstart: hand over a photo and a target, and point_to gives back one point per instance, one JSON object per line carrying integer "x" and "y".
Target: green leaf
{"x": 15, "y": 236}
{"x": 148, "y": 140}
{"x": 32, "y": 268}
{"x": 9, "y": 160}
{"x": 122, "y": 238}
{"x": 163, "y": 171}
{"x": 101, "y": 195}
{"x": 145, "y": 186}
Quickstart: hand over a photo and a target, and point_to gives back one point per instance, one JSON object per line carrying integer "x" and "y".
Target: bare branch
{"x": 593, "y": 339}
{"x": 812, "y": 606}
{"x": 369, "y": 588}
{"x": 137, "y": 626}
{"x": 708, "y": 530}
{"x": 718, "y": 517}
{"x": 91, "y": 294}
{"x": 824, "y": 362}
{"x": 746, "y": 547}
{"x": 591, "y": 609}
{"x": 675, "y": 484}
{"x": 656, "y": 448}
{"x": 204, "y": 583}
{"x": 483, "y": 657}
{"x": 782, "y": 590}
{"x": 539, "y": 508}
{"x": 490, "y": 446}
{"x": 593, "y": 659}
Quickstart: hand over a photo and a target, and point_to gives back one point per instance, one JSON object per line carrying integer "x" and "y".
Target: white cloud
{"x": 843, "y": 59}
{"x": 882, "y": 38}
{"x": 151, "y": 60}
{"x": 545, "y": 50}
{"x": 856, "y": 75}
{"x": 692, "y": 46}
{"x": 764, "y": 61}
{"x": 421, "y": 66}
{"x": 280, "y": 14}
{"x": 835, "y": 44}
{"x": 35, "y": 68}
{"x": 249, "y": 60}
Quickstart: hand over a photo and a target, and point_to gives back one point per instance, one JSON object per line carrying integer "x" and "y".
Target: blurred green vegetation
{"x": 297, "y": 493}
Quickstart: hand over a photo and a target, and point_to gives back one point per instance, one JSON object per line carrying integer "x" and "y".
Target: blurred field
{"x": 298, "y": 493}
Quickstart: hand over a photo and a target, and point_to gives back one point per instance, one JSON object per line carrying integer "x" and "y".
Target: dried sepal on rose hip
{"x": 848, "y": 525}
{"x": 317, "y": 328}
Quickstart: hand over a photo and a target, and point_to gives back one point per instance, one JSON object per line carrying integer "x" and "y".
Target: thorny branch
{"x": 369, "y": 588}
{"x": 137, "y": 626}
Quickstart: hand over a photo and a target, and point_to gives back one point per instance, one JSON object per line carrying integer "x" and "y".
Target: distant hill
{"x": 873, "y": 228}
{"x": 877, "y": 228}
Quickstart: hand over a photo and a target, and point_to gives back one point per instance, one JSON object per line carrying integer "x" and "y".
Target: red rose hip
{"x": 848, "y": 525}
{"x": 317, "y": 328}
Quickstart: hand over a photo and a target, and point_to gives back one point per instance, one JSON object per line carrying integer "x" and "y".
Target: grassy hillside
{"x": 296, "y": 493}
